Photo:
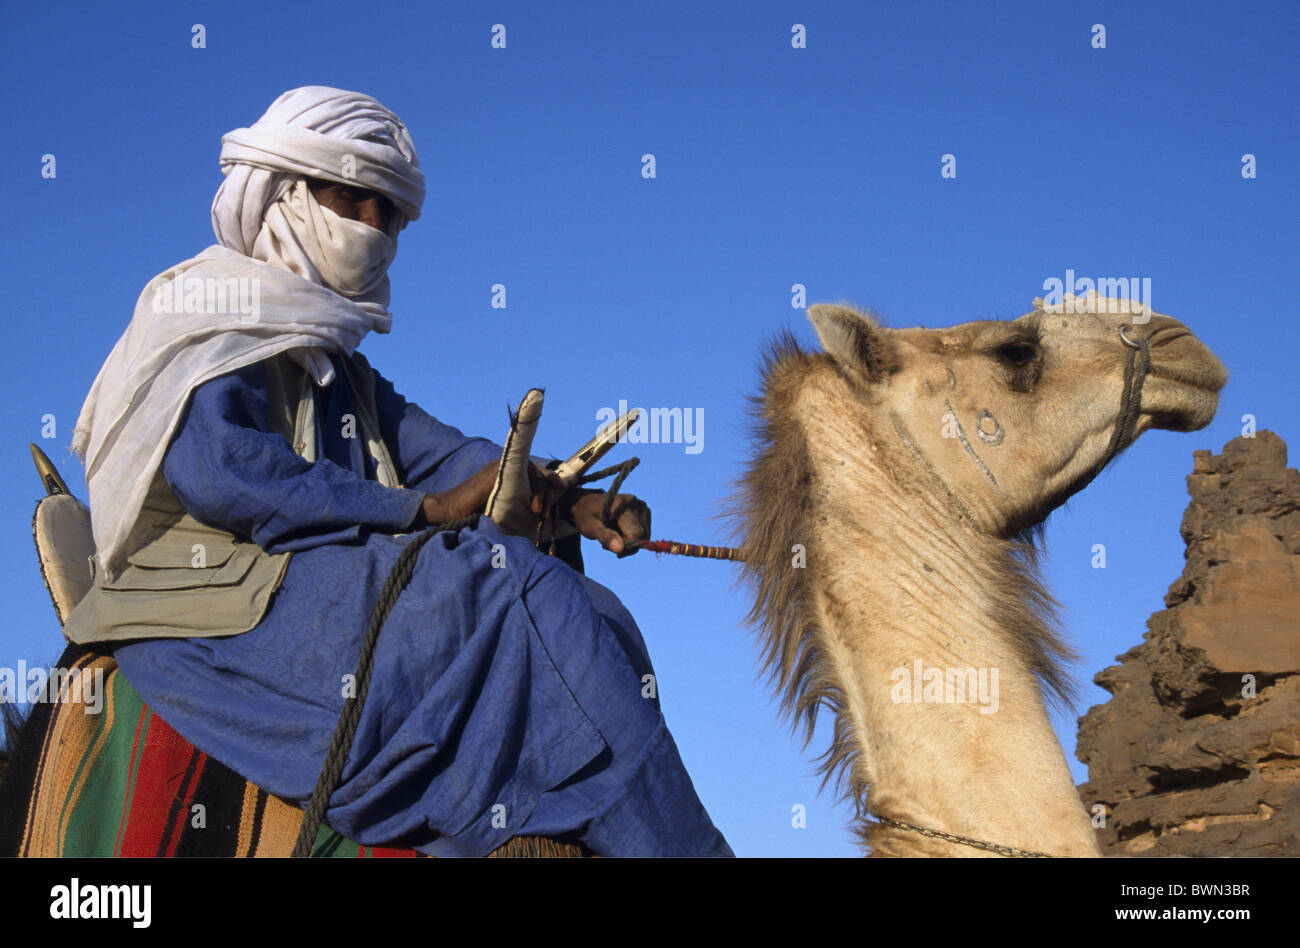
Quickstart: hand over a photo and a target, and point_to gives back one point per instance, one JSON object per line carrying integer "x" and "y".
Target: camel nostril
{"x": 1167, "y": 334}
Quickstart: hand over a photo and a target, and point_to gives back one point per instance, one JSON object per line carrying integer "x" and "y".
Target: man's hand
{"x": 471, "y": 496}
{"x": 630, "y": 516}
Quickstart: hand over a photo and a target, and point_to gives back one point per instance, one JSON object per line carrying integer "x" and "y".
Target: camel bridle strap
{"x": 964, "y": 840}
{"x": 1135, "y": 373}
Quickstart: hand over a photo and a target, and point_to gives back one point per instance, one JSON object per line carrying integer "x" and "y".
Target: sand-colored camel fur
{"x": 889, "y": 524}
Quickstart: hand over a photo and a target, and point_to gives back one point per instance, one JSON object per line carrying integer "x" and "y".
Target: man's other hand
{"x": 629, "y": 515}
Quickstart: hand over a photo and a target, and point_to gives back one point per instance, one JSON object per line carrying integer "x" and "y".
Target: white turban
{"x": 263, "y": 211}
{"x": 314, "y": 132}
{"x": 286, "y": 275}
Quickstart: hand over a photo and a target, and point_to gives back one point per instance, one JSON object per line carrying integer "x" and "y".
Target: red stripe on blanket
{"x": 168, "y": 771}
{"x": 384, "y": 852}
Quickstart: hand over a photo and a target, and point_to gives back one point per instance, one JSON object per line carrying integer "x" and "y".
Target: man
{"x": 252, "y": 481}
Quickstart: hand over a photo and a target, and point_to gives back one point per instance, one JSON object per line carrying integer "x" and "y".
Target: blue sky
{"x": 774, "y": 166}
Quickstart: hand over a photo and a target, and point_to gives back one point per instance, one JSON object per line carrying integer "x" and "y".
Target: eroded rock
{"x": 1197, "y": 753}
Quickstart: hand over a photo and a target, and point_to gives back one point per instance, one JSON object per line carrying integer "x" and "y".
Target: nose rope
{"x": 1135, "y": 373}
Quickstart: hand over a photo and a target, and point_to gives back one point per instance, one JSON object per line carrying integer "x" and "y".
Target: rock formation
{"x": 1198, "y": 751}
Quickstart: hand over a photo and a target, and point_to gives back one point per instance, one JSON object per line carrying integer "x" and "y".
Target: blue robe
{"x": 506, "y": 700}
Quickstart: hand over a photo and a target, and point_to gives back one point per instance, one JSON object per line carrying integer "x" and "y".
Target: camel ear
{"x": 853, "y": 339}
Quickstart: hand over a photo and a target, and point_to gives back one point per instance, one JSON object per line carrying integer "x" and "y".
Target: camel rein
{"x": 1135, "y": 371}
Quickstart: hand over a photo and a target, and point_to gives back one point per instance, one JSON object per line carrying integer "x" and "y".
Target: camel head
{"x": 1013, "y": 417}
{"x": 883, "y": 519}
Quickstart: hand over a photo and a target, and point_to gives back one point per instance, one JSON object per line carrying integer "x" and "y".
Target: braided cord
{"x": 345, "y": 732}
{"x": 1135, "y": 373}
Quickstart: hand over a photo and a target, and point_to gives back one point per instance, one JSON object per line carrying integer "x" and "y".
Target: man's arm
{"x": 230, "y": 470}
{"x": 435, "y": 457}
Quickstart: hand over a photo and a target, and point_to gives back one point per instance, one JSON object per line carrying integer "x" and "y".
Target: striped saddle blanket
{"x": 121, "y": 782}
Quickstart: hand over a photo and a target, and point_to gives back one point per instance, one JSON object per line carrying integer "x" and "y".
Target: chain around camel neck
{"x": 964, "y": 840}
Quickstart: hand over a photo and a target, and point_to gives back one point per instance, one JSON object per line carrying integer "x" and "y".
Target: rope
{"x": 346, "y": 730}
{"x": 398, "y": 578}
{"x": 1135, "y": 373}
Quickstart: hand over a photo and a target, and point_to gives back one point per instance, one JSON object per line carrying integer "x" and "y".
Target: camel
{"x": 890, "y": 521}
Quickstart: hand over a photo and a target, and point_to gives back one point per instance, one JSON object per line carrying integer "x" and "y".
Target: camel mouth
{"x": 1183, "y": 383}
{"x": 1192, "y": 418}
{"x": 1178, "y": 356}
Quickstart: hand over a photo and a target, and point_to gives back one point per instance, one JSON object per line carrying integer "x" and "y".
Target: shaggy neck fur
{"x": 891, "y": 575}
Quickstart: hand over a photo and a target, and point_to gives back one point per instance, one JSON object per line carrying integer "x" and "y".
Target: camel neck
{"x": 929, "y": 636}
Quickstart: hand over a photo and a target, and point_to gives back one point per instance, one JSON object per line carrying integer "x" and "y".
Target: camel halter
{"x": 1135, "y": 371}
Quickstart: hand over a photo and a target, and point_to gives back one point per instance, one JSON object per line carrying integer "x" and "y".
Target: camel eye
{"x": 1017, "y": 354}
{"x": 1022, "y": 362}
